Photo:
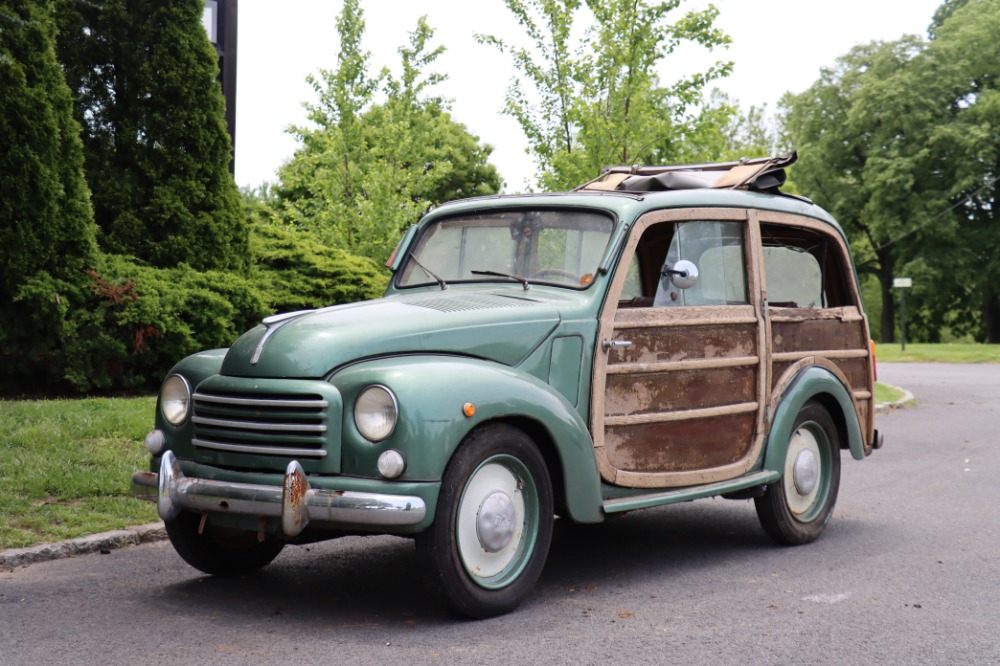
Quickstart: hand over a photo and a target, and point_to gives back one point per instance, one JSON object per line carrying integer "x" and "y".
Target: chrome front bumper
{"x": 295, "y": 501}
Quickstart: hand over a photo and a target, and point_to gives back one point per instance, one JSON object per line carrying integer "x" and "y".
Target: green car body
{"x": 458, "y": 358}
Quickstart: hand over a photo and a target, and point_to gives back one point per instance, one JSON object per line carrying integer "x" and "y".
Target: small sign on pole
{"x": 903, "y": 283}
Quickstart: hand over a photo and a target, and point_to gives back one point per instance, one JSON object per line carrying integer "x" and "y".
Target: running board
{"x": 647, "y": 500}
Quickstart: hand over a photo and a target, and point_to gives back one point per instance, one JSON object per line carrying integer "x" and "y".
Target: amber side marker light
{"x": 469, "y": 409}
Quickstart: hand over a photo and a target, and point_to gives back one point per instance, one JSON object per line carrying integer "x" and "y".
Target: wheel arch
{"x": 546, "y": 444}
{"x": 821, "y": 382}
{"x": 432, "y": 391}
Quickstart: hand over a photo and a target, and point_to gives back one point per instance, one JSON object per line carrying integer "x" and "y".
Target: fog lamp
{"x": 155, "y": 441}
{"x": 391, "y": 464}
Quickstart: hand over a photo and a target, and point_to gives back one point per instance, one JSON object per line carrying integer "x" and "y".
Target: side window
{"x": 803, "y": 268}
{"x": 715, "y": 249}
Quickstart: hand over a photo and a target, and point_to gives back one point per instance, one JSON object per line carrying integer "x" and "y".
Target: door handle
{"x": 615, "y": 344}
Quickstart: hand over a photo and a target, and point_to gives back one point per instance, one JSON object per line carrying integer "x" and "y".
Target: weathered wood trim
{"x": 786, "y": 357}
{"x": 688, "y": 214}
{"x": 789, "y": 374}
{"x": 678, "y": 479}
{"x": 847, "y": 314}
{"x": 861, "y": 395}
{"x": 758, "y": 294}
{"x": 683, "y": 415}
{"x": 690, "y": 364}
{"x": 692, "y": 315}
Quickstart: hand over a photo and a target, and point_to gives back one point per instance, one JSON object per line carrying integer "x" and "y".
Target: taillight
{"x": 874, "y": 362}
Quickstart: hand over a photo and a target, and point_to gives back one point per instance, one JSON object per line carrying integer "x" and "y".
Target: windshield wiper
{"x": 440, "y": 281}
{"x": 524, "y": 281}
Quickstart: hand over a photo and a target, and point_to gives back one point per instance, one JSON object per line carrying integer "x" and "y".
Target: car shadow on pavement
{"x": 376, "y": 582}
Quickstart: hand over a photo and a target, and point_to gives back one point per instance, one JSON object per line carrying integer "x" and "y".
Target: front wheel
{"x": 491, "y": 534}
{"x": 216, "y": 552}
{"x": 796, "y": 509}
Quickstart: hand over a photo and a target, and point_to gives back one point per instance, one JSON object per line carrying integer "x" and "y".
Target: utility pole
{"x": 219, "y": 19}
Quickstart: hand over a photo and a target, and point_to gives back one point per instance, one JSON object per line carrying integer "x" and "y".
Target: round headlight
{"x": 375, "y": 413}
{"x": 175, "y": 400}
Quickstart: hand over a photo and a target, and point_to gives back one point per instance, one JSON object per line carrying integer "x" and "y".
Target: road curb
{"x": 883, "y": 407}
{"x": 94, "y": 543}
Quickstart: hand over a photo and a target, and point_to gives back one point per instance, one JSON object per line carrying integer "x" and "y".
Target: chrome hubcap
{"x": 802, "y": 471}
{"x": 805, "y": 471}
{"x": 495, "y": 521}
{"x": 491, "y": 521}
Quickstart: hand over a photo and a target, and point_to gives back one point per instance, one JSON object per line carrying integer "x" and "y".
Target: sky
{"x": 778, "y": 46}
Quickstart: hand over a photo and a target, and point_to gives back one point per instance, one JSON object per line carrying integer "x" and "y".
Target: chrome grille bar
{"x": 270, "y": 424}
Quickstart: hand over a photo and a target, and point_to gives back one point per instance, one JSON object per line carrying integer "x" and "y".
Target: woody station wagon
{"x": 658, "y": 335}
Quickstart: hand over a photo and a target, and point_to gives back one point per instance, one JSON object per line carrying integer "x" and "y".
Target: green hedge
{"x": 123, "y": 324}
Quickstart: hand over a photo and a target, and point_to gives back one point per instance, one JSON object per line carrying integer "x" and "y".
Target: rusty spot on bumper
{"x": 294, "y": 513}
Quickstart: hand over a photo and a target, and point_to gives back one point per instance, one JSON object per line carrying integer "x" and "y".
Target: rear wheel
{"x": 217, "y": 552}
{"x": 491, "y": 534}
{"x": 796, "y": 509}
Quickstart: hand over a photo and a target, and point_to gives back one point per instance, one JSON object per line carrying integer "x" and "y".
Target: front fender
{"x": 813, "y": 382}
{"x": 432, "y": 392}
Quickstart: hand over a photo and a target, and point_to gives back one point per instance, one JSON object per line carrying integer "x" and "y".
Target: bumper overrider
{"x": 295, "y": 502}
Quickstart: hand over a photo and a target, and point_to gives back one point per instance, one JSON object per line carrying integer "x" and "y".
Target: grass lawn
{"x": 66, "y": 466}
{"x": 887, "y": 393}
{"x": 946, "y": 353}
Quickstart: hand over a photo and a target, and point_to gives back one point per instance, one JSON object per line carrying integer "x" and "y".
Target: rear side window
{"x": 803, "y": 268}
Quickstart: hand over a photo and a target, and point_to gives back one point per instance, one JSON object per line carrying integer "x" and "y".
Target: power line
{"x": 939, "y": 214}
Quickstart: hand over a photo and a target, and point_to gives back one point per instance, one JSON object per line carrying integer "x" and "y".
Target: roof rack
{"x": 761, "y": 174}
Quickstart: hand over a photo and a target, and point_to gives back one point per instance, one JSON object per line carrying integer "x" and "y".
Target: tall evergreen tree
{"x": 157, "y": 151}
{"x": 46, "y": 223}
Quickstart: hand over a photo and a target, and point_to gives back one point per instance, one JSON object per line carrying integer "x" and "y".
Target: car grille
{"x": 279, "y": 425}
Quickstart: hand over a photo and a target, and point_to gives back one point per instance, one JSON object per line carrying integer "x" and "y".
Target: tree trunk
{"x": 888, "y": 319}
{"x": 991, "y": 316}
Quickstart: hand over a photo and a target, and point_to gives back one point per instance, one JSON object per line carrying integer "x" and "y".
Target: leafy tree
{"x": 583, "y": 105}
{"x": 962, "y": 69}
{"x": 157, "y": 150}
{"x": 367, "y": 170}
{"x": 46, "y": 223}
{"x": 735, "y": 132}
{"x": 863, "y": 141}
{"x": 899, "y": 140}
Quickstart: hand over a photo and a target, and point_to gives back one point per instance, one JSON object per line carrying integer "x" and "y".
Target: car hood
{"x": 493, "y": 325}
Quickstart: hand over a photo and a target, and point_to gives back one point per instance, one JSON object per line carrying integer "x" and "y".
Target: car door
{"x": 813, "y": 307}
{"x": 680, "y": 375}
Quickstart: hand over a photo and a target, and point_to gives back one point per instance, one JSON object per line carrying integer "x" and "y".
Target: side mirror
{"x": 683, "y": 275}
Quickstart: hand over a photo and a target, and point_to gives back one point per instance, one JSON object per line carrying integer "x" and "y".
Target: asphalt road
{"x": 908, "y": 572}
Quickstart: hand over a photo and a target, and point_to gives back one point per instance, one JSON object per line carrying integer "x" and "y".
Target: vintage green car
{"x": 658, "y": 335}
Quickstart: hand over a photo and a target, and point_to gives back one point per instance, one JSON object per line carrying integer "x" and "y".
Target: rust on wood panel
{"x": 650, "y": 345}
{"x": 680, "y": 445}
{"x": 855, "y": 371}
{"x": 817, "y": 335}
{"x": 669, "y": 391}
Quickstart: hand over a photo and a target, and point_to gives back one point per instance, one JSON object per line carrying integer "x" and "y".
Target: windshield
{"x": 562, "y": 247}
